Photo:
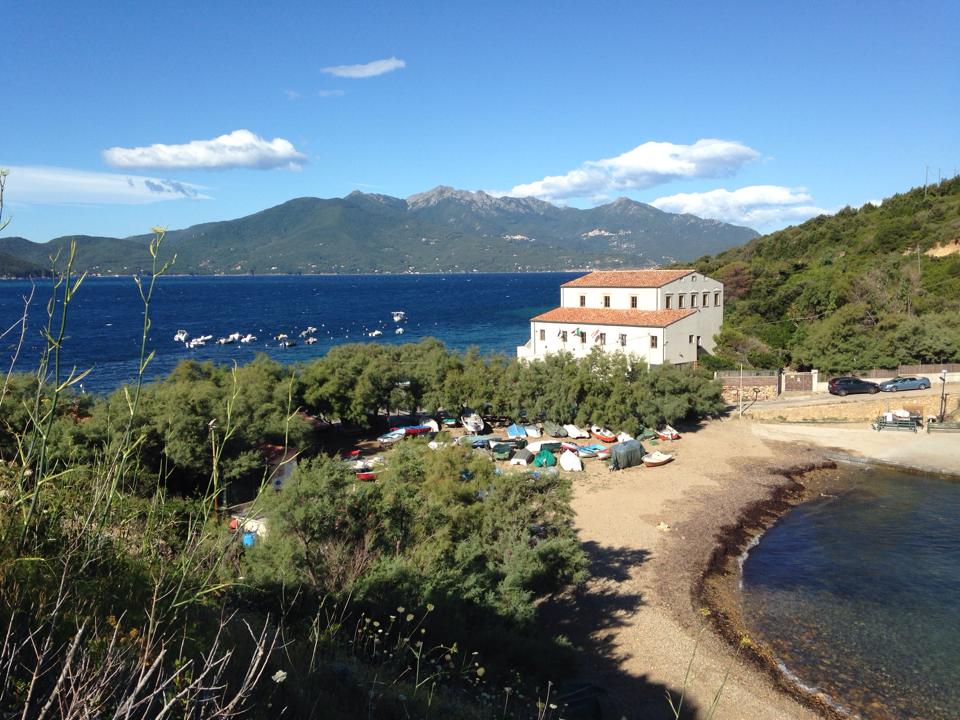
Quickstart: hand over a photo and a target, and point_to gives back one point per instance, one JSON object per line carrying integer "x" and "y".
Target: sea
{"x": 858, "y": 595}
{"x": 489, "y": 311}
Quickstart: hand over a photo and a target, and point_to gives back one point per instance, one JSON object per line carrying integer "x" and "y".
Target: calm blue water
{"x": 859, "y": 595}
{"x": 490, "y": 311}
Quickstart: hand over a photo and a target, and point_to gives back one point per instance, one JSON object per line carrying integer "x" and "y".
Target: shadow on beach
{"x": 590, "y": 617}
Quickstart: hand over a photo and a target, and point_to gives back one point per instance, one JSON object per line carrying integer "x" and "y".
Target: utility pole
{"x": 740, "y": 393}
{"x": 943, "y": 393}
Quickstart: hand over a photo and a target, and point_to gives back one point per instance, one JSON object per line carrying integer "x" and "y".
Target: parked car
{"x": 905, "y": 383}
{"x": 851, "y": 385}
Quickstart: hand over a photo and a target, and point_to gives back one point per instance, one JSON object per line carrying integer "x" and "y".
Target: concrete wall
{"x": 678, "y": 349}
{"x": 866, "y": 410}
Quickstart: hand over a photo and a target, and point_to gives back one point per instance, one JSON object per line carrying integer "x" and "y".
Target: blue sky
{"x": 759, "y": 113}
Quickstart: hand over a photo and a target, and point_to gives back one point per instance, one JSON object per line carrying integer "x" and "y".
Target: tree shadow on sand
{"x": 590, "y": 617}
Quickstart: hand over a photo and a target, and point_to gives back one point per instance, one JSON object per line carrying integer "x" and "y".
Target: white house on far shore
{"x": 660, "y": 316}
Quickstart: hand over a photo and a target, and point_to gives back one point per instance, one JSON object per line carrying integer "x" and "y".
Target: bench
{"x": 943, "y": 427}
{"x": 882, "y": 423}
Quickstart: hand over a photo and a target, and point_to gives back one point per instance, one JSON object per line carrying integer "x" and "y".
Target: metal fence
{"x": 925, "y": 369}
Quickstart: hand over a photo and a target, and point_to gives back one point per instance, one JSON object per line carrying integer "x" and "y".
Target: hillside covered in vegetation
{"x": 873, "y": 287}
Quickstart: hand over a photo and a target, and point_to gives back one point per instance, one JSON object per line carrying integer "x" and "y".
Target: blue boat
{"x": 516, "y": 431}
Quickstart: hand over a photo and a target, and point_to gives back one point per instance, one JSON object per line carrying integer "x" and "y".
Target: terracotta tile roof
{"x": 605, "y": 316}
{"x": 628, "y": 278}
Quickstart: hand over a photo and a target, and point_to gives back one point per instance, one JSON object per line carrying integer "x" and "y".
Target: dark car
{"x": 905, "y": 383}
{"x": 851, "y": 386}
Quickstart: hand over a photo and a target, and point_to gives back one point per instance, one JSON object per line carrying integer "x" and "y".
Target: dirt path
{"x": 637, "y": 617}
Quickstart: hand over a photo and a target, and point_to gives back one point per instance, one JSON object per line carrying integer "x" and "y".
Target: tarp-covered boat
{"x": 515, "y": 431}
{"x": 501, "y": 451}
{"x": 544, "y": 458}
{"x": 548, "y": 445}
{"x": 521, "y": 457}
{"x": 627, "y": 454}
{"x": 554, "y": 430}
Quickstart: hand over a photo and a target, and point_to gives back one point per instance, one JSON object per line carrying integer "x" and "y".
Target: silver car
{"x": 905, "y": 383}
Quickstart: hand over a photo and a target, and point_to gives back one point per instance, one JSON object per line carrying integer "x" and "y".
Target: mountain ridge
{"x": 440, "y": 230}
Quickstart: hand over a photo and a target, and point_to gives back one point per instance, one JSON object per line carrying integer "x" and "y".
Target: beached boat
{"x": 604, "y": 454}
{"x": 548, "y": 445}
{"x": 623, "y": 437}
{"x": 501, "y": 450}
{"x": 656, "y": 458}
{"x": 448, "y": 421}
{"x": 589, "y": 451}
{"x": 553, "y": 429}
{"x": 575, "y": 432}
{"x": 668, "y": 433}
{"x": 516, "y": 431}
{"x": 391, "y": 437}
{"x": 532, "y": 431}
{"x": 522, "y": 457}
{"x": 472, "y": 422}
{"x": 570, "y": 462}
{"x": 601, "y": 433}
{"x": 414, "y": 429}
{"x": 568, "y": 445}
{"x": 366, "y": 475}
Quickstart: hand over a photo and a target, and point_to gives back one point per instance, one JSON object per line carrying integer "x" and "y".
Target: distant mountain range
{"x": 443, "y": 230}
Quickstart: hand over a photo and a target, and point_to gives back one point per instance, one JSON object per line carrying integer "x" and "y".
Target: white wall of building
{"x": 619, "y": 297}
{"x": 638, "y": 340}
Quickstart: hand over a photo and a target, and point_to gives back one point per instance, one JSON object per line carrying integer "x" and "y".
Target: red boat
{"x": 668, "y": 433}
{"x": 601, "y": 433}
{"x": 366, "y": 475}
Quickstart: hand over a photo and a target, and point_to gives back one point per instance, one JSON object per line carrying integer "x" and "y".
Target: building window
{"x": 693, "y": 299}
{"x": 606, "y": 301}
{"x": 623, "y": 340}
{"x": 693, "y": 278}
{"x": 681, "y": 301}
{"x": 716, "y": 299}
{"x": 602, "y": 339}
{"x": 706, "y": 299}
{"x": 690, "y": 340}
{"x": 563, "y": 335}
{"x": 583, "y": 301}
{"x": 543, "y": 335}
{"x": 583, "y": 337}
{"x": 633, "y": 302}
{"x": 668, "y": 301}
{"x": 653, "y": 341}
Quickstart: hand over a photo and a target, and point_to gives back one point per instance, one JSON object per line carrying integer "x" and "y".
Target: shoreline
{"x": 653, "y": 536}
{"x": 721, "y": 584}
{"x": 720, "y": 587}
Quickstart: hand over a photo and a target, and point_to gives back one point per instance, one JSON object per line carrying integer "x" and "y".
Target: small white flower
{"x": 279, "y": 676}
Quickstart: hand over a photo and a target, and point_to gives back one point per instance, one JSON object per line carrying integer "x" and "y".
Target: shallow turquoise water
{"x": 859, "y": 595}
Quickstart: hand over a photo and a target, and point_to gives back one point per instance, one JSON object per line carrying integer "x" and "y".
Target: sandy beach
{"x": 650, "y": 533}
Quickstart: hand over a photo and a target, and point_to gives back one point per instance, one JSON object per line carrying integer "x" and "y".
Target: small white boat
{"x": 668, "y": 433}
{"x": 472, "y": 422}
{"x": 281, "y": 337}
{"x": 181, "y": 336}
{"x": 574, "y": 432}
{"x": 570, "y": 462}
{"x": 288, "y": 343}
{"x": 399, "y": 315}
{"x": 532, "y": 431}
{"x": 224, "y": 341}
{"x": 375, "y": 333}
{"x": 310, "y": 340}
{"x": 623, "y": 437}
{"x": 248, "y": 338}
{"x": 656, "y": 458}
{"x": 309, "y": 331}
{"x": 398, "y": 331}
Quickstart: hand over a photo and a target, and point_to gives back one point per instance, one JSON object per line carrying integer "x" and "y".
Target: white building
{"x": 661, "y": 316}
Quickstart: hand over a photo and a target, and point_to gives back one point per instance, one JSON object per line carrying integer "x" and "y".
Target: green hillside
{"x": 13, "y": 266}
{"x": 874, "y": 287}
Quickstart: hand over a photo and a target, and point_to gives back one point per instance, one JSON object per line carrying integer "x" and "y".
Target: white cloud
{"x": 757, "y": 206}
{"x": 53, "y": 185}
{"x": 292, "y": 94}
{"x": 239, "y": 149}
{"x": 649, "y": 164}
{"x": 370, "y": 69}
{"x": 330, "y": 93}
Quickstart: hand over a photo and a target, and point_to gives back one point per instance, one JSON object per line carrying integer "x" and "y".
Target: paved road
{"x": 798, "y": 400}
